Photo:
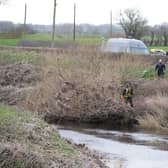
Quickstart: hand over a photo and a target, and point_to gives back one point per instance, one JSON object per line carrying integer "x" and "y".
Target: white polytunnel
{"x": 124, "y": 45}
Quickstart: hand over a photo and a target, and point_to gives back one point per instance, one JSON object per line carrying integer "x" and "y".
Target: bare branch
{"x": 133, "y": 23}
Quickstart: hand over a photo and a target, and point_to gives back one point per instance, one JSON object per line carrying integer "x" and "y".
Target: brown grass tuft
{"x": 156, "y": 112}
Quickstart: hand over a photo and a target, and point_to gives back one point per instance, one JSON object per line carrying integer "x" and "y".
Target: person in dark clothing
{"x": 160, "y": 69}
{"x": 128, "y": 94}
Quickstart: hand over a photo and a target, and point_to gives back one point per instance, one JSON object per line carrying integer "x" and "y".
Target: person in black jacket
{"x": 160, "y": 69}
{"x": 128, "y": 94}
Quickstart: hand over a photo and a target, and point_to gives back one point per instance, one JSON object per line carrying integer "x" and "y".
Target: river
{"x": 122, "y": 149}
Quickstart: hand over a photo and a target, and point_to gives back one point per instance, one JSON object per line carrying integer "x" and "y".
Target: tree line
{"x": 132, "y": 25}
{"x": 135, "y": 26}
{"x": 66, "y": 29}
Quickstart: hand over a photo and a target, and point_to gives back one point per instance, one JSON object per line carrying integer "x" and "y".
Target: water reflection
{"x": 122, "y": 149}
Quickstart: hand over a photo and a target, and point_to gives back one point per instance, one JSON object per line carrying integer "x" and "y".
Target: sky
{"x": 87, "y": 11}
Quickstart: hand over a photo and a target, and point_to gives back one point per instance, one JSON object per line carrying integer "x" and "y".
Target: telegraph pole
{"x": 24, "y": 25}
{"x": 53, "y": 28}
{"x": 74, "y": 25}
{"x": 111, "y": 24}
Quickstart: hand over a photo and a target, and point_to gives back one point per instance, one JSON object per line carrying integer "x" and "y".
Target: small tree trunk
{"x": 165, "y": 39}
{"x": 152, "y": 38}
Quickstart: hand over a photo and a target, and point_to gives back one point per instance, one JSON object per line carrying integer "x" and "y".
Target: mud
{"x": 19, "y": 75}
{"x": 16, "y": 80}
{"x": 81, "y": 104}
{"x": 73, "y": 103}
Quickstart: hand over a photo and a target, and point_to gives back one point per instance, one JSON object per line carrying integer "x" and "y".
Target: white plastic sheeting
{"x": 123, "y": 45}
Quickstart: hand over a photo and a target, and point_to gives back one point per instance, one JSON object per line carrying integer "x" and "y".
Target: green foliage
{"x": 148, "y": 73}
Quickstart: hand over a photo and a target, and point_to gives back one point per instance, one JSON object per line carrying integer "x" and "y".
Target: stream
{"x": 122, "y": 149}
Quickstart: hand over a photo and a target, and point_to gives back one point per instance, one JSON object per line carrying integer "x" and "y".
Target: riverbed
{"x": 122, "y": 149}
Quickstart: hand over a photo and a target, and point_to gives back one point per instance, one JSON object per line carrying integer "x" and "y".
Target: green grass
{"x": 41, "y": 37}
{"x": 90, "y": 40}
{"x": 148, "y": 73}
{"x": 9, "y": 42}
{"x": 165, "y": 48}
{"x": 44, "y": 37}
{"x": 26, "y": 57}
{"x": 10, "y": 122}
{"x": 38, "y": 37}
{"x": 31, "y": 137}
{"x": 60, "y": 145}
{"x": 135, "y": 73}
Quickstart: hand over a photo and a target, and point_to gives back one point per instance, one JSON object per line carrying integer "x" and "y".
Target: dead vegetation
{"x": 26, "y": 141}
{"x": 82, "y": 85}
{"x": 153, "y": 98}
{"x": 77, "y": 86}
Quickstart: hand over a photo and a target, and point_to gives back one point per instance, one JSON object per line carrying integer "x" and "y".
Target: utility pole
{"x": 74, "y": 25}
{"x": 53, "y": 28}
{"x": 24, "y": 25}
{"x": 111, "y": 24}
{"x": 120, "y": 15}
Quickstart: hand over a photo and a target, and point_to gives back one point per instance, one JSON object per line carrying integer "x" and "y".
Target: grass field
{"x": 28, "y": 57}
{"x": 41, "y": 37}
{"x": 165, "y": 48}
{"x": 84, "y": 40}
{"x": 63, "y": 39}
{"x": 9, "y": 42}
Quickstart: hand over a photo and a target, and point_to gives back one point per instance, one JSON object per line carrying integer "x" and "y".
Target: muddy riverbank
{"x": 83, "y": 88}
{"x": 62, "y": 90}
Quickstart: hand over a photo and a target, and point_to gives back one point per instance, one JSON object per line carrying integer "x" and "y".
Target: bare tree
{"x": 133, "y": 23}
{"x": 151, "y": 33}
{"x": 164, "y": 33}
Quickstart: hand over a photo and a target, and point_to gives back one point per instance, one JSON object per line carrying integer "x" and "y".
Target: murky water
{"x": 123, "y": 149}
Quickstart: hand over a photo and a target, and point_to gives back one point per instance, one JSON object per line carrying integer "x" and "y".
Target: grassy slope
{"x": 24, "y": 139}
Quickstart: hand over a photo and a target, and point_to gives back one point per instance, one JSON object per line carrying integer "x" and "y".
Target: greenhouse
{"x": 123, "y": 45}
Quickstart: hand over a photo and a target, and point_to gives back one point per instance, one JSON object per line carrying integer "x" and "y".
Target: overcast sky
{"x": 87, "y": 11}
